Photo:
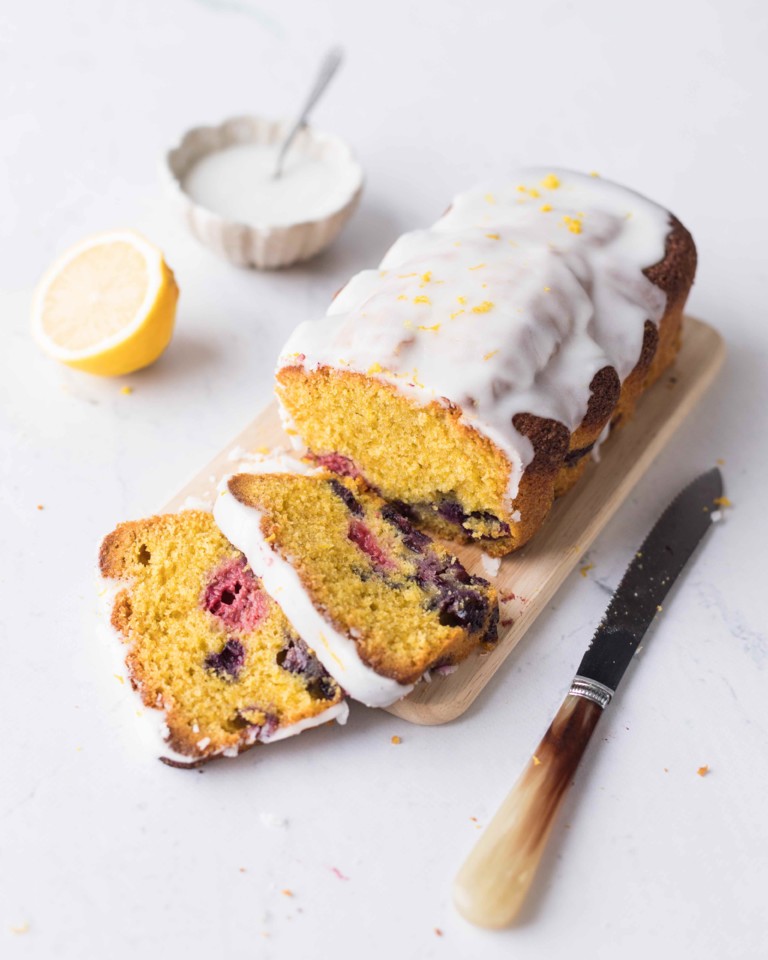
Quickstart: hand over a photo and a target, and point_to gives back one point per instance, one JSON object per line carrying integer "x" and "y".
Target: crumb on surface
{"x": 536, "y": 761}
{"x": 40, "y": 506}
{"x": 722, "y": 502}
{"x": 396, "y": 740}
{"x": 438, "y": 932}
{"x": 703, "y": 771}
{"x": 126, "y": 390}
{"x": 287, "y": 892}
{"x": 720, "y": 462}
{"x": 586, "y": 568}
{"x": 21, "y": 928}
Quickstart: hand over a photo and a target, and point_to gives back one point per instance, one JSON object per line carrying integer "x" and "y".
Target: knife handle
{"x": 492, "y": 884}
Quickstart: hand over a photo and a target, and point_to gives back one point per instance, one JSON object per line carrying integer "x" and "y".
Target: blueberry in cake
{"x": 377, "y": 600}
{"x": 472, "y": 374}
{"x": 206, "y": 645}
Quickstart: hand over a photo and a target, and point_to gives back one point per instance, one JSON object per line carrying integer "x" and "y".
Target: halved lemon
{"x": 107, "y": 306}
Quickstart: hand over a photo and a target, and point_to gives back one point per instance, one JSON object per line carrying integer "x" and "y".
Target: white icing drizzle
{"x": 338, "y": 653}
{"x": 509, "y": 304}
{"x": 274, "y": 460}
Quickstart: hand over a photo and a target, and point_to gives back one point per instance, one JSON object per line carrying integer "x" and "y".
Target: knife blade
{"x": 647, "y": 580}
{"x": 492, "y": 884}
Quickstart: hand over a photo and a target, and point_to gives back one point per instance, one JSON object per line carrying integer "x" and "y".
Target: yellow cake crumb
{"x": 40, "y": 506}
{"x": 457, "y": 313}
{"x": 375, "y": 368}
{"x": 586, "y": 568}
{"x": 396, "y": 740}
{"x": 491, "y": 353}
{"x": 550, "y": 182}
{"x": 536, "y": 761}
{"x": 426, "y": 277}
{"x": 546, "y": 208}
{"x": 703, "y": 771}
{"x": 421, "y": 299}
{"x": 722, "y": 502}
{"x": 433, "y": 329}
{"x": 477, "y": 266}
{"x": 573, "y": 224}
{"x": 126, "y": 390}
{"x": 402, "y": 297}
{"x": 462, "y": 300}
{"x": 493, "y": 236}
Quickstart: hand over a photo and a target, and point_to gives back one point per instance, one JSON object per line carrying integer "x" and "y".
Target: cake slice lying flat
{"x": 206, "y": 644}
{"x": 377, "y": 600}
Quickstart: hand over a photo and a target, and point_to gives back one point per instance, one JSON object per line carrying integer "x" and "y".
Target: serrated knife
{"x": 492, "y": 884}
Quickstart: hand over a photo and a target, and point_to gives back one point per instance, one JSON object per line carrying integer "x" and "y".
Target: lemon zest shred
{"x": 485, "y": 307}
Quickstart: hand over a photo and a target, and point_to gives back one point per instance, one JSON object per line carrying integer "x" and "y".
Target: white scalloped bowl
{"x": 251, "y": 245}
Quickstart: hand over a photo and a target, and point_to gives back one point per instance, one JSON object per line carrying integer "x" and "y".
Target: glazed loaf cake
{"x": 471, "y": 375}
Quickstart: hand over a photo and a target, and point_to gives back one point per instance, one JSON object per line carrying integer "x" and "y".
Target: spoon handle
{"x": 330, "y": 64}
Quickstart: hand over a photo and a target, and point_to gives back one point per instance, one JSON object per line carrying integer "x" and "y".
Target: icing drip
{"x": 509, "y": 304}
{"x": 336, "y": 651}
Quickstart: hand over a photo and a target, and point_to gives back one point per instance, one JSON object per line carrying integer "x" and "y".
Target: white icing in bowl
{"x": 219, "y": 180}
{"x": 237, "y": 183}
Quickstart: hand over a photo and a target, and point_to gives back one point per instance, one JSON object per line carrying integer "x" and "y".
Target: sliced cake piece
{"x": 377, "y": 600}
{"x": 206, "y": 644}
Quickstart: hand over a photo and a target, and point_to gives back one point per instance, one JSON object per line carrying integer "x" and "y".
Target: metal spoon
{"x": 329, "y": 66}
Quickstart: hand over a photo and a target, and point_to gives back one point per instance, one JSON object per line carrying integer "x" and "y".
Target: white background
{"x": 104, "y": 852}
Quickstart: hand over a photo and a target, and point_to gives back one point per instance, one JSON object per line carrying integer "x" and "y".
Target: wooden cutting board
{"x": 530, "y": 577}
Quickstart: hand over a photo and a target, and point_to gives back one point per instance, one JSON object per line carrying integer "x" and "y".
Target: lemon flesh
{"x": 107, "y": 306}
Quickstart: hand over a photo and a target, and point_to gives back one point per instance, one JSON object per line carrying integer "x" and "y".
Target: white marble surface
{"x": 104, "y": 852}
